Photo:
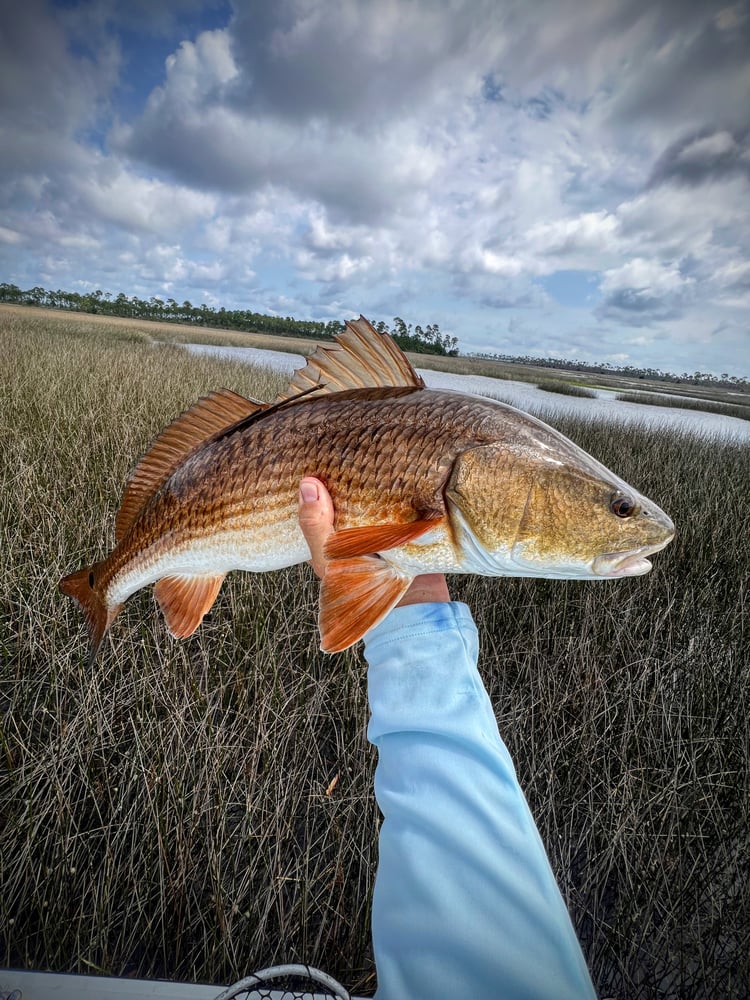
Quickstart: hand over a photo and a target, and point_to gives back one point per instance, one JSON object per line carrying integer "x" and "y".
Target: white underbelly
{"x": 256, "y": 551}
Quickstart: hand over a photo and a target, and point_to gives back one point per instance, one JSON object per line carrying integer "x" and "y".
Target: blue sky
{"x": 553, "y": 179}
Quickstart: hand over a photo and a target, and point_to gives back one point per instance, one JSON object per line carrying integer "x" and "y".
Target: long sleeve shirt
{"x": 466, "y": 906}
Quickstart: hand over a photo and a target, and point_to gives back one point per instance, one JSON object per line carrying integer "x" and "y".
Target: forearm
{"x": 466, "y": 903}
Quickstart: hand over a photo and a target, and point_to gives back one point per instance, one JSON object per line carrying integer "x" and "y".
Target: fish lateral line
{"x": 471, "y": 472}
{"x": 365, "y": 393}
{"x": 191, "y": 433}
{"x": 361, "y": 360}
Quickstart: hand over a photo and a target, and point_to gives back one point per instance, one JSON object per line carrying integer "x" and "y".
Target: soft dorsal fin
{"x": 361, "y": 358}
{"x": 211, "y": 415}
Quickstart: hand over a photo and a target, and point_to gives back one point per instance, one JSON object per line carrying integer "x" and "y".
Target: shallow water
{"x": 526, "y": 396}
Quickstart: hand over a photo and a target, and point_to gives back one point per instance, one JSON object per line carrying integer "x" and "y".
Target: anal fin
{"x": 355, "y": 595}
{"x": 184, "y": 600}
{"x": 375, "y": 538}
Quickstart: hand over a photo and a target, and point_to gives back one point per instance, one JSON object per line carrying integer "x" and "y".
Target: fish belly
{"x": 254, "y": 548}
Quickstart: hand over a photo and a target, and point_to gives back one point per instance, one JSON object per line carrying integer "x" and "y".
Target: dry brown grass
{"x": 151, "y": 331}
{"x": 167, "y": 812}
{"x": 739, "y": 410}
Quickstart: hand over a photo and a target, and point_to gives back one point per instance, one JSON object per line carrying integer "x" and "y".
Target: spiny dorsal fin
{"x": 211, "y": 415}
{"x": 361, "y": 358}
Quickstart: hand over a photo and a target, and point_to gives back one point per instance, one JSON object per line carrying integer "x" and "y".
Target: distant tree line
{"x": 427, "y": 340}
{"x": 631, "y": 371}
{"x": 424, "y": 341}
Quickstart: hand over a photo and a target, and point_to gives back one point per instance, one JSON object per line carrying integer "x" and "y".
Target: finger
{"x": 315, "y": 513}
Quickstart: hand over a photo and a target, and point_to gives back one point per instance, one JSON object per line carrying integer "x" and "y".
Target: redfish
{"x": 422, "y": 481}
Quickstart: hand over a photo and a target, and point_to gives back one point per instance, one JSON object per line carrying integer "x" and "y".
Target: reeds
{"x": 741, "y": 410}
{"x": 566, "y": 388}
{"x": 196, "y": 810}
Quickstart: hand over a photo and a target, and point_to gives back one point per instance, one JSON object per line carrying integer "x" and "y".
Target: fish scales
{"x": 377, "y": 455}
{"x": 421, "y": 481}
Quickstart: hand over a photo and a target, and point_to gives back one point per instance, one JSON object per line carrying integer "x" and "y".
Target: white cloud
{"x": 198, "y": 68}
{"x": 115, "y": 194}
{"x": 9, "y": 235}
{"x": 495, "y": 263}
{"x": 735, "y": 274}
{"x": 650, "y": 276}
{"x": 583, "y": 241}
{"x": 642, "y": 292}
{"x": 435, "y": 159}
{"x": 707, "y": 148}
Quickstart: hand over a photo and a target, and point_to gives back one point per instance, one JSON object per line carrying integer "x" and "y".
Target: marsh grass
{"x": 566, "y": 388}
{"x": 741, "y": 410}
{"x": 174, "y": 811}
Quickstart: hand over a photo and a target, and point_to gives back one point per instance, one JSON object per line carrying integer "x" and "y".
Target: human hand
{"x": 316, "y": 522}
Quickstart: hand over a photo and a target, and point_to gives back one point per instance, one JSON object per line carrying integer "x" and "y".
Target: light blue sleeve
{"x": 466, "y": 904}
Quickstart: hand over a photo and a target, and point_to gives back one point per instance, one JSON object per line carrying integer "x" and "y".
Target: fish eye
{"x": 622, "y": 505}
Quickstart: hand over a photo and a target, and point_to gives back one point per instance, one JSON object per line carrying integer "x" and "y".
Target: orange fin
{"x": 185, "y": 600}
{"x": 355, "y": 595}
{"x": 211, "y": 415}
{"x": 98, "y": 616}
{"x": 375, "y": 538}
{"x": 361, "y": 358}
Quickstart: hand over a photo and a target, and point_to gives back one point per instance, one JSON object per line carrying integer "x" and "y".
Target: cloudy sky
{"x": 557, "y": 177}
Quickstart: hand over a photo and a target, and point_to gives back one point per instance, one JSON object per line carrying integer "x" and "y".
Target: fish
{"x": 422, "y": 481}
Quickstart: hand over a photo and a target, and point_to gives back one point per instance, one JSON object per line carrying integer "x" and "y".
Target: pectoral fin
{"x": 375, "y": 538}
{"x": 185, "y": 600}
{"x": 355, "y": 595}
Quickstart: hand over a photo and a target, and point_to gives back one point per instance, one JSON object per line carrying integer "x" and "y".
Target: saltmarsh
{"x": 196, "y": 810}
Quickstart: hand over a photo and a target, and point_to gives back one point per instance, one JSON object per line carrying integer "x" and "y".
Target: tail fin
{"x": 82, "y": 586}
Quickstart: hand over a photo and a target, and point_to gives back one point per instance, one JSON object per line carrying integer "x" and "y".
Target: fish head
{"x": 545, "y": 508}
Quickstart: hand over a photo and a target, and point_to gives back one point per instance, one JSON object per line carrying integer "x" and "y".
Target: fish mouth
{"x": 632, "y": 563}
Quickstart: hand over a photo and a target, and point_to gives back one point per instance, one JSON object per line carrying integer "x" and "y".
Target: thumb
{"x": 315, "y": 514}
